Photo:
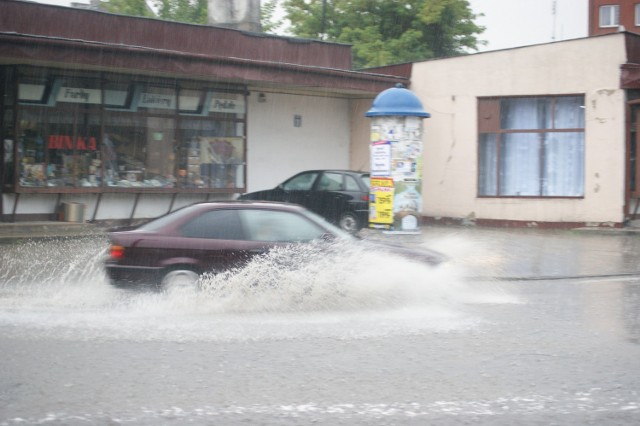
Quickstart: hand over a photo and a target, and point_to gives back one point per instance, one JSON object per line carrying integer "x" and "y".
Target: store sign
{"x": 228, "y": 106}
{"x": 79, "y": 95}
{"x": 157, "y": 100}
{"x": 67, "y": 142}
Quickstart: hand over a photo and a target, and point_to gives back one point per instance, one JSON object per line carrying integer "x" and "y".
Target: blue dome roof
{"x": 397, "y": 101}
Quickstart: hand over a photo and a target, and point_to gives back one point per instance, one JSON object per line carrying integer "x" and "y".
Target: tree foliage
{"x": 127, "y": 7}
{"x": 384, "y": 32}
{"x": 189, "y": 11}
{"x": 268, "y": 19}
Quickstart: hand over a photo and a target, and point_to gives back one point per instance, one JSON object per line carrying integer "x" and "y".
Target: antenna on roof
{"x": 554, "y": 14}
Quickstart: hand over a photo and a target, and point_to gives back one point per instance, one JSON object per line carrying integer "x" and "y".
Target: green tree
{"x": 268, "y": 18}
{"x": 384, "y": 32}
{"x": 127, "y": 7}
{"x": 189, "y": 11}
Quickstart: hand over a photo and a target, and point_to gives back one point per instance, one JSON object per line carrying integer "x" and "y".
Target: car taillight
{"x": 116, "y": 252}
{"x": 365, "y": 198}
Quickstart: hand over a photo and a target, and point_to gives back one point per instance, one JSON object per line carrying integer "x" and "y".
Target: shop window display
{"x": 115, "y": 132}
{"x": 212, "y": 155}
{"x": 138, "y": 151}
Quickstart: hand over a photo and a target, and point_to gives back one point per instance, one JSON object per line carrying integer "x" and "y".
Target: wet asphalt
{"x": 522, "y": 326}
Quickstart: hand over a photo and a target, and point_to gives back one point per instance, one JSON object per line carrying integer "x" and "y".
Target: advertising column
{"x": 396, "y": 161}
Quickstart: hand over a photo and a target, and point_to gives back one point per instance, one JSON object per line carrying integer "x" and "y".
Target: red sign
{"x": 67, "y": 142}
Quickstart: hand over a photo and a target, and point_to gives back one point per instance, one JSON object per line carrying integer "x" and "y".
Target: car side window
{"x": 350, "y": 183}
{"x": 301, "y": 182}
{"x": 330, "y": 182}
{"x": 279, "y": 226}
{"x": 216, "y": 224}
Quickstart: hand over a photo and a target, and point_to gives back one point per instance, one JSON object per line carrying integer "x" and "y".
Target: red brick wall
{"x": 627, "y": 16}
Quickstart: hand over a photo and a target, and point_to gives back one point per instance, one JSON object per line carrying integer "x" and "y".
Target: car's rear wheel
{"x": 349, "y": 222}
{"x": 180, "y": 279}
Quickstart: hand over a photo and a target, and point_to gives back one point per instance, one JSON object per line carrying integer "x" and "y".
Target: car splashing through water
{"x": 60, "y": 287}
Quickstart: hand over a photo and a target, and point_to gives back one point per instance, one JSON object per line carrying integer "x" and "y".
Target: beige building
{"x": 534, "y": 136}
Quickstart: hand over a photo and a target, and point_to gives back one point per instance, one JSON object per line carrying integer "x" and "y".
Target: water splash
{"x": 343, "y": 277}
{"x": 59, "y": 288}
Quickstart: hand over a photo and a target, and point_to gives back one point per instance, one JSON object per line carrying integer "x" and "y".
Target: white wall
{"x": 276, "y": 149}
{"x": 449, "y": 89}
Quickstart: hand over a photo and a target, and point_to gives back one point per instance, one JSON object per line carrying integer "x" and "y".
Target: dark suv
{"x": 340, "y": 196}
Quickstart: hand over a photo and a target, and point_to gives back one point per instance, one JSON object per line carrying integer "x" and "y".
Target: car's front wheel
{"x": 179, "y": 279}
{"x": 349, "y": 222}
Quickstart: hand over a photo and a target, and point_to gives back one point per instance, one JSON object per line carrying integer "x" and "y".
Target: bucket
{"x": 73, "y": 212}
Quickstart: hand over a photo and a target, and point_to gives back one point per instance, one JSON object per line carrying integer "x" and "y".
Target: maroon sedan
{"x": 175, "y": 249}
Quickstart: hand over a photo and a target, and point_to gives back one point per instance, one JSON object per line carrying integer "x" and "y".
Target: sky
{"x": 513, "y": 23}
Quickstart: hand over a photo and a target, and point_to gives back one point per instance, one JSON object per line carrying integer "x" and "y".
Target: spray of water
{"x": 60, "y": 287}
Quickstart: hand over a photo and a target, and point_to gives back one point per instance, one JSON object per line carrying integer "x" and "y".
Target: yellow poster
{"x": 381, "y": 203}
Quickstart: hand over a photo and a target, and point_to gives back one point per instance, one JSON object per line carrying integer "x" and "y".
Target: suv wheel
{"x": 349, "y": 222}
{"x": 179, "y": 279}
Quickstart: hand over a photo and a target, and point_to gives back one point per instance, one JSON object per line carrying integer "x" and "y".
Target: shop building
{"x": 134, "y": 117}
{"x": 539, "y": 136}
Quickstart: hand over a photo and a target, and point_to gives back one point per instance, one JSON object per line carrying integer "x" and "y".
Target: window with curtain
{"x": 610, "y": 15}
{"x": 531, "y": 147}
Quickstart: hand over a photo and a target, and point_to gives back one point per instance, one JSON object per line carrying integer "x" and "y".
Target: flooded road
{"x": 520, "y": 328}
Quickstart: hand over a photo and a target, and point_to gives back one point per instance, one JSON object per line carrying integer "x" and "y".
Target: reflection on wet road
{"x": 351, "y": 339}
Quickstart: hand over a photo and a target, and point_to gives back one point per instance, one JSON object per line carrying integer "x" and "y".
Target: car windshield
{"x": 367, "y": 180}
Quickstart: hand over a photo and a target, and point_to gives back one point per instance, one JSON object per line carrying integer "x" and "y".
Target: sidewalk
{"x": 53, "y": 229}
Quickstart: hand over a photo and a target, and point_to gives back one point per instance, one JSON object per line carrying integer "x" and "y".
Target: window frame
{"x": 610, "y": 13}
{"x": 489, "y": 124}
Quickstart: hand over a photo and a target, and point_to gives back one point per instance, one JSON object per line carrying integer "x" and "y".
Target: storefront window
{"x": 138, "y": 151}
{"x": 7, "y": 121}
{"x": 31, "y": 149}
{"x": 82, "y": 131}
{"x": 212, "y": 154}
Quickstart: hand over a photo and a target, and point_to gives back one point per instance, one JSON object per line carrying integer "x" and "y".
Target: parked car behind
{"x": 340, "y": 196}
{"x": 173, "y": 250}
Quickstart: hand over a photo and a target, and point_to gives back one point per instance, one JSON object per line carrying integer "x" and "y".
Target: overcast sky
{"x": 513, "y": 23}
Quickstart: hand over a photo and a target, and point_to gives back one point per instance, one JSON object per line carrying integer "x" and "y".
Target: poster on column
{"x": 381, "y": 158}
{"x": 406, "y": 171}
{"x": 381, "y": 203}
